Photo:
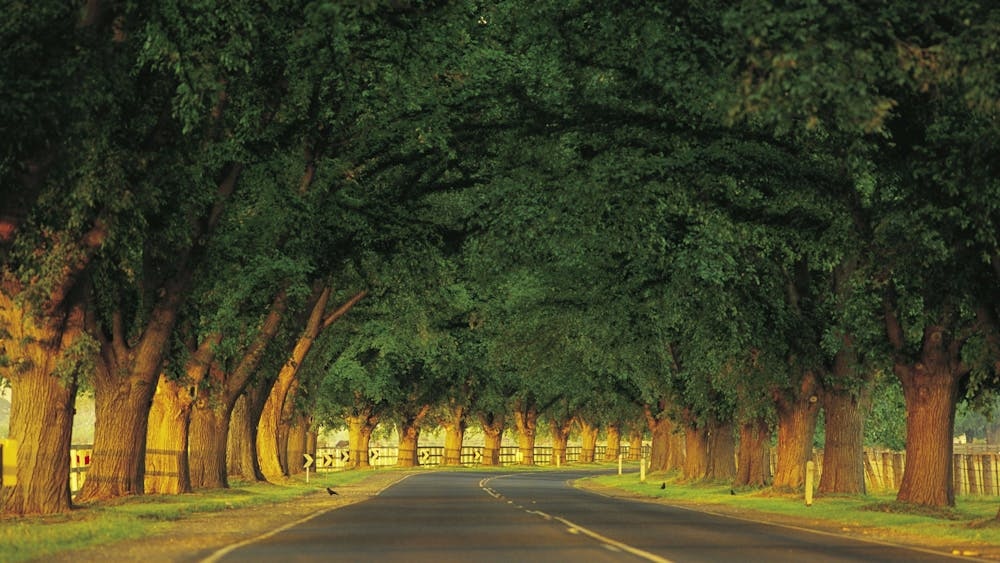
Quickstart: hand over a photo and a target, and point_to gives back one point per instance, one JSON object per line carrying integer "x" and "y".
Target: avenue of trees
{"x": 703, "y": 222}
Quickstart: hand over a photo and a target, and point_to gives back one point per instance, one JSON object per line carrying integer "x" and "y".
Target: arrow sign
{"x": 309, "y": 461}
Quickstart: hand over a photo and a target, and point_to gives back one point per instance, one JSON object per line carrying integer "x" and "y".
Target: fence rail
{"x": 334, "y": 458}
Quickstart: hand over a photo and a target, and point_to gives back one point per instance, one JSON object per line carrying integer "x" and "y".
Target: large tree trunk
{"x": 613, "y": 443}
{"x": 661, "y": 428}
{"x": 207, "y": 436}
{"x": 930, "y": 388}
{"x": 454, "y": 435}
{"x": 721, "y": 452}
{"x": 588, "y": 441}
{"x": 359, "y": 434}
{"x": 560, "y": 439}
{"x": 754, "y": 466}
{"x": 696, "y": 447}
{"x": 409, "y": 437}
{"x": 843, "y": 452}
{"x": 241, "y": 447}
{"x": 167, "y": 439}
{"x": 797, "y": 415}
{"x": 526, "y": 420}
{"x": 42, "y": 406}
{"x": 493, "y": 426}
{"x": 298, "y": 434}
{"x": 635, "y": 442}
{"x": 167, "y": 467}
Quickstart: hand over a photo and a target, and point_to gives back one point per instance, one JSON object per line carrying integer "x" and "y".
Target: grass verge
{"x": 970, "y": 528}
{"x": 37, "y": 538}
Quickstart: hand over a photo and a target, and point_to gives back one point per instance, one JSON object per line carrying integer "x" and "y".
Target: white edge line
{"x": 608, "y": 541}
{"x": 219, "y": 554}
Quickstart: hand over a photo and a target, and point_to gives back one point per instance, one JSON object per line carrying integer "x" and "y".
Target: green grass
{"x": 34, "y": 538}
{"x": 970, "y": 524}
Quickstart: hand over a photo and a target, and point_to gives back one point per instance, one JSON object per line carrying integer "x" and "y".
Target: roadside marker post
{"x": 642, "y": 469}
{"x": 307, "y": 465}
{"x": 810, "y": 470}
{"x": 619, "y": 463}
{"x": 8, "y": 462}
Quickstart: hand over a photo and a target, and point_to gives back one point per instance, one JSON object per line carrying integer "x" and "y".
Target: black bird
{"x": 732, "y": 492}
{"x": 331, "y": 491}
{"x": 663, "y": 485}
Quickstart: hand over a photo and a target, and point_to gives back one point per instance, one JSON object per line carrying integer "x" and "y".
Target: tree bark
{"x": 588, "y": 441}
{"x": 454, "y": 435}
{"x": 635, "y": 443}
{"x": 241, "y": 446}
{"x": 560, "y": 439}
{"x": 930, "y": 389}
{"x": 696, "y": 457}
{"x": 843, "y": 451}
{"x": 797, "y": 415}
{"x": 166, "y": 468}
{"x": 613, "y": 442}
{"x": 298, "y": 433}
{"x": 213, "y": 410}
{"x": 661, "y": 429}
{"x": 721, "y": 452}
{"x": 493, "y": 426}
{"x": 754, "y": 468}
{"x": 360, "y": 427}
{"x": 526, "y": 420}
{"x": 42, "y": 404}
{"x": 409, "y": 437}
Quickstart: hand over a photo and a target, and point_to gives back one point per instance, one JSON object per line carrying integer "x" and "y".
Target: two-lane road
{"x": 538, "y": 516}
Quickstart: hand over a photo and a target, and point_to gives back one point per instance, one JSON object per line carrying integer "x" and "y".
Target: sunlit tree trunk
{"x": 493, "y": 426}
{"x": 560, "y": 439}
{"x": 241, "y": 456}
{"x": 588, "y": 440}
{"x": 696, "y": 447}
{"x": 409, "y": 436}
{"x": 42, "y": 401}
{"x": 526, "y": 420}
{"x": 213, "y": 410}
{"x": 298, "y": 433}
{"x": 797, "y": 414}
{"x": 359, "y": 428}
{"x": 753, "y": 468}
{"x": 843, "y": 451}
{"x": 167, "y": 439}
{"x": 167, "y": 436}
{"x": 454, "y": 434}
{"x": 635, "y": 442}
{"x": 931, "y": 389}
{"x": 661, "y": 428}
{"x": 613, "y": 443}
{"x": 721, "y": 452}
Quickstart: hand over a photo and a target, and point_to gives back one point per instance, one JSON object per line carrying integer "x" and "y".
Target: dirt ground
{"x": 197, "y": 537}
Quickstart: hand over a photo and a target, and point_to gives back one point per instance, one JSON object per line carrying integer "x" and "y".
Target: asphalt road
{"x": 538, "y": 516}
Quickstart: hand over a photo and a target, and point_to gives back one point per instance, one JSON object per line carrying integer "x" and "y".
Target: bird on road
{"x": 663, "y": 485}
{"x": 331, "y": 491}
